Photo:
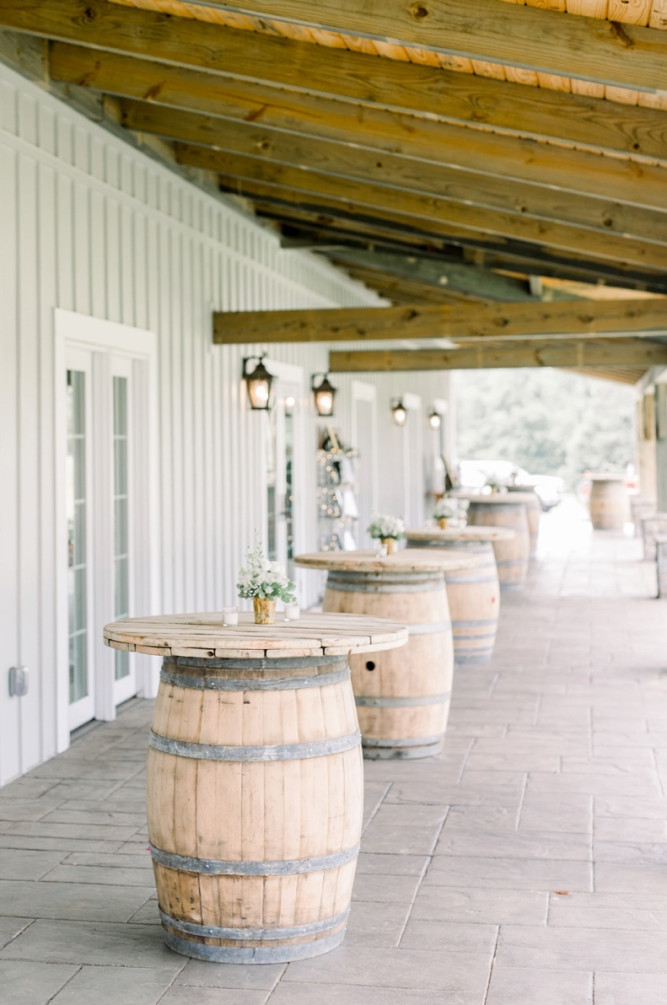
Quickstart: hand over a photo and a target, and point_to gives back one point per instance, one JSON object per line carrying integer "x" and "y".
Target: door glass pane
{"x": 77, "y": 573}
{"x": 271, "y": 490}
{"x": 289, "y": 490}
{"x": 121, "y": 530}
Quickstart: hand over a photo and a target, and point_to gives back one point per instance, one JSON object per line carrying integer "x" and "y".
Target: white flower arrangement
{"x": 385, "y": 525}
{"x": 261, "y": 578}
{"x": 445, "y": 509}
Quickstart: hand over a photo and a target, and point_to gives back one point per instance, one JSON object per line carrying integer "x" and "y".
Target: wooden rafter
{"x": 487, "y": 321}
{"x": 589, "y": 48}
{"x": 250, "y": 177}
{"x": 353, "y": 76}
{"x": 578, "y": 353}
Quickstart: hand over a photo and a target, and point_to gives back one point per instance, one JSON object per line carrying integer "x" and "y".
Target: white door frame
{"x": 102, "y": 339}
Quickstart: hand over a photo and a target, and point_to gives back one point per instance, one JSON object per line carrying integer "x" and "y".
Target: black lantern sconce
{"x": 434, "y": 419}
{"x": 324, "y": 394}
{"x": 258, "y": 382}
{"x": 399, "y": 411}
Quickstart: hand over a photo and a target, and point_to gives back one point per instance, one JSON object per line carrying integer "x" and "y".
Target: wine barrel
{"x": 533, "y": 513}
{"x": 512, "y": 556}
{"x": 402, "y": 699}
{"x": 608, "y": 502}
{"x": 254, "y": 806}
{"x": 473, "y": 594}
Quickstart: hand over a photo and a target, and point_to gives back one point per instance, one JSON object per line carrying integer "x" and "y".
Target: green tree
{"x": 547, "y": 421}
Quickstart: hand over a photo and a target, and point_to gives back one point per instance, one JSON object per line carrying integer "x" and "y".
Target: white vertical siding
{"x": 93, "y": 226}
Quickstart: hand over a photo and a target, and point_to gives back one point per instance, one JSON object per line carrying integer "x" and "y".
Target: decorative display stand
{"x": 337, "y": 511}
{"x": 254, "y": 782}
{"x": 402, "y": 699}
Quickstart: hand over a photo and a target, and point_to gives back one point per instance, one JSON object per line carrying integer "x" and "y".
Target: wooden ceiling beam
{"x": 449, "y": 146}
{"x": 414, "y": 177}
{"x": 479, "y": 321}
{"x": 549, "y": 41}
{"x": 314, "y": 230}
{"x": 404, "y": 87}
{"x": 251, "y": 177}
{"x": 577, "y": 353}
{"x": 478, "y": 282}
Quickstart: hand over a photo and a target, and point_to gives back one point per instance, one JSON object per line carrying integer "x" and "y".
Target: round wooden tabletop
{"x": 406, "y": 560}
{"x": 460, "y": 535}
{"x": 500, "y": 498}
{"x": 203, "y": 635}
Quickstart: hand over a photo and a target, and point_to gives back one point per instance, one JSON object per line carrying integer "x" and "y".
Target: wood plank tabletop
{"x": 406, "y": 560}
{"x": 203, "y": 635}
{"x": 462, "y": 535}
{"x": 498, "y": 498}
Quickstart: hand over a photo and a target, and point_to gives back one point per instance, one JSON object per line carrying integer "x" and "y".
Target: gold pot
{"x": 389, "y": 544}
{"x": 442, "y": 522}
{"x": 265, "y": 610}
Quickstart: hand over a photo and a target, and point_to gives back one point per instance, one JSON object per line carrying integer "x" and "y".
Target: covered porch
{"x": 524, "y": 864}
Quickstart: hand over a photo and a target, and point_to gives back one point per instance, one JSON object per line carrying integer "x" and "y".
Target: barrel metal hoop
{"x": 367, "y": 582}
{"x": 278, "y": 752}
{"x": 420, "y": 741}
{"x": 251, "y": 934}
{"x": 252, "y": 683}
{"x": 413, "y": 701}
{"x": 284, "y": 867}
{"x": 454, "y": 579}
{"x": 284, "y": 663}
{"x": 481, "y": 637}
{"x": 254, "y": 954}
{"x": 424, "y": 628}
{"x": 488, "y": 623}
{"x": 513, "y": 561}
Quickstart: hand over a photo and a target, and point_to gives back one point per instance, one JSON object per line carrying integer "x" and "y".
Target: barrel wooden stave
{"x": 608, "y": 503}
{"x": 254, "y": 858}
{"x": 412, "y": 687}
{"x": 512, "y": 556}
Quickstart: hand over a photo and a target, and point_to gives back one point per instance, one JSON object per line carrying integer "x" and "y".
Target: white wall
{"x": 92, "y": 226}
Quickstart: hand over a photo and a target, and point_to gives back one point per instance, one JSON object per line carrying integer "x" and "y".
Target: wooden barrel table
{"x": 473, "y": 594}
{"x": 505, "y": 509}
{"x": 254, "y": 780}
{"x": 608, "y": 502}
{"x": 402, "y": 698}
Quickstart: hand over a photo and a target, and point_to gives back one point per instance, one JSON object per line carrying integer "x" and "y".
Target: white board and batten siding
{"x": 94, "y": 229}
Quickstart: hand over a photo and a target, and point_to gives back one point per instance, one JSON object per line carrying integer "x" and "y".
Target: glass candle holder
{"x": 292, "y": 612}
{"x": 230, "y": 616}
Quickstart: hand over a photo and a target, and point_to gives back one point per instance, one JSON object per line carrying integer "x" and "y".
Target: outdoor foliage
{"x": 546, "y": 421}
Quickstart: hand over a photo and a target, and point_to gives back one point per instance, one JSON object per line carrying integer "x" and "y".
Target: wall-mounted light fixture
{"x": 258, "y": 382}
{"x": 399, "y": 411}
{"x": 434, "y": 419}
{"x": 324, "y": 394}
{"x": 290, "y": 402}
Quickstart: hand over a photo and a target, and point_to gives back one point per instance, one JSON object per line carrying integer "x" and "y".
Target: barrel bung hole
{"x": 370, "y": 665}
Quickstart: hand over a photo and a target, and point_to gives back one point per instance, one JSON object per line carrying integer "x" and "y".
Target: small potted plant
{"x": 388, "y": 529}
{"x": 265, "y": 582}
{"x": 445, "y": 509}
{"x": 494, "y": 484}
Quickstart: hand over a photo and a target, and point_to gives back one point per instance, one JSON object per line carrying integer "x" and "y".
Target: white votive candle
{"x": 230, "y": 616}
{"x": 292, "y": 612}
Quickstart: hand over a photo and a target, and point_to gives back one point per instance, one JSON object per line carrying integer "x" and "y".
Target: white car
{"x": 550, "y": 489}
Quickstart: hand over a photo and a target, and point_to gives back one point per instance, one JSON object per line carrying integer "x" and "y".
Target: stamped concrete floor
{"x": 525, "y": 865}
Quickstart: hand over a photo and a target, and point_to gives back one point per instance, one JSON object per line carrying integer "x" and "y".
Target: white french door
{"x": 80, "y": 573}
{"x": 103, "y": 507}
{"x": 281, "y": 487}
{"x": 100, "y": 498}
